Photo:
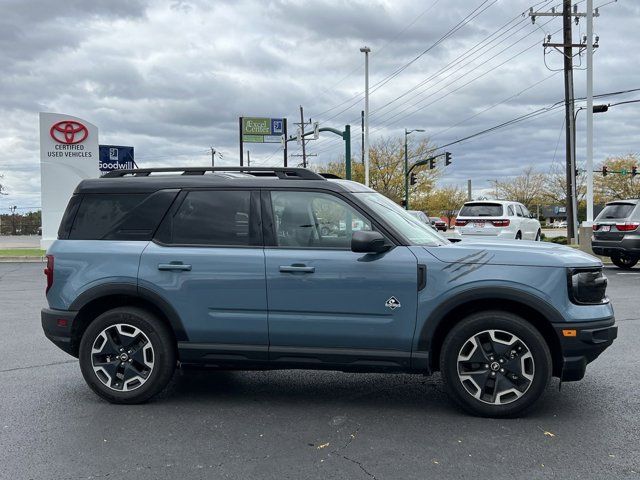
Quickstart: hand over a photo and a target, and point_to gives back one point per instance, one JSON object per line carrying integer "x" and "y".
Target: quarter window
{"x": 314, "y": 220}
{"x": 214, "y": 217}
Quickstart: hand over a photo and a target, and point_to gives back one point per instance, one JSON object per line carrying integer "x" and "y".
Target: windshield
{"x": 417, "y": 232}
{"x": 481, "y": 210}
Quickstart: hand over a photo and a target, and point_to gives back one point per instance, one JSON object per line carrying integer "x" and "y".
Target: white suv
{"x": 496, "y": 218}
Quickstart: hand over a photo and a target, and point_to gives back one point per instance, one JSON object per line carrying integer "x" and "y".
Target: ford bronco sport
{"x": 271, "y": 268}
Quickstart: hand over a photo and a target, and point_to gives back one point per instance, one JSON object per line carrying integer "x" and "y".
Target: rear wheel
{"x": 519, "y": 236}
{"x": 538, "y": 236}
{"x": 127, "y": 355}
{"x": 626, "y": 262}
{"x": 495, "y": 364}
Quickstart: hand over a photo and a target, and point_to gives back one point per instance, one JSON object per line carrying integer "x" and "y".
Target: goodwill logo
{"x": 68, "y": 135}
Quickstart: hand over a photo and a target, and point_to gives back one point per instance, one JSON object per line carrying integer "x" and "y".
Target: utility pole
{"x": 469, "y": 190}
{"x": 304, "y": 151}
{"x": 248, "y": 158}
{"x": 566, "y": 48}
{"x": 589, "y": 112}
{"x": 366, "y": 51}
{"x": 13, "y": 219}
{"x": 213, "y": 157}
{"x": 362, "y": 129}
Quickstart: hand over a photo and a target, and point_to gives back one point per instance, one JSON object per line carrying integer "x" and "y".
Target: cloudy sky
{"x": 172, "y": 77}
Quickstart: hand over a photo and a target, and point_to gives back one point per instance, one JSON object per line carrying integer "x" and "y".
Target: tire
{"x": 474, "y": 392}
{"x": 519, "y": 236}
{"x": 538, "y": 236}
{"x": 104, "y": 355}
{"x": 623, "y": 261}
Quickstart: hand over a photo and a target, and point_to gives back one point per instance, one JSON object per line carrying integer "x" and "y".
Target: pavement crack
{"x": 38, "y": 366}
{"x": 367, "y": 472}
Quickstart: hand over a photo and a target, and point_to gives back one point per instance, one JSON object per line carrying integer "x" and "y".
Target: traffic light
{"x": 604, "y": 171}
{"x": 634, "y": 171}
{"x": 413, "y": 178}
{"x": 447, "y": 158}
{"x": 432, "y": 164}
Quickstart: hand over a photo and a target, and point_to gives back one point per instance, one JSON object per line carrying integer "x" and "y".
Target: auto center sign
{"x": 68, "y": 154}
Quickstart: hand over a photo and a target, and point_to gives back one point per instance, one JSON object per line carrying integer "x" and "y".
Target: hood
{"x": 514, "y": 252}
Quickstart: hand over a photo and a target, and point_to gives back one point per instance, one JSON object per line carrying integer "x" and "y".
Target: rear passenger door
{"x": 207, "y": 262}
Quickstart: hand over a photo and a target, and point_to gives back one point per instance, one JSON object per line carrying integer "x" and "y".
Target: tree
{"x": 445, "y": 201}
{"x": 386, "y": 169}
{"x": 528, "y": 188}
{"x": 555, "y": 190}
{"x": 2, "y": 189}
{"x": 616, "y": 186}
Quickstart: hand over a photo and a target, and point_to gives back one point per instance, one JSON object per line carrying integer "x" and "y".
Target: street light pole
{"x": 366, "y": 51}
{"x": 589, "y": 112}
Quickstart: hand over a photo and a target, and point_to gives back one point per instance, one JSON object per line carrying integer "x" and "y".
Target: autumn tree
{"x": 527, "y": 188}
{"x": 555, "y": 190}
{"x": 386, "y": 169}
{"x": 446, "y": 201}
{"x": 616, "y": 186}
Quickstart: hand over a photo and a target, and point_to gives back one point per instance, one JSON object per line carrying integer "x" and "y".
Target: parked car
{"x": 439, "y": 224}
{"x": 228, "y": 268}
{"x": 499, "y": 219}
{"x": 616, "y": 233}
{"x": 423, "y": 217}
{"x": 562, "y": 224}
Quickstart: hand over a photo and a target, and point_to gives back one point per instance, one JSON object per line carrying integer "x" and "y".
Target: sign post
{"x": 68, "y": 154}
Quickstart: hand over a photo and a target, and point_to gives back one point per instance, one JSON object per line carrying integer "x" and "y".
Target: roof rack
{"x": 283, "y": 173}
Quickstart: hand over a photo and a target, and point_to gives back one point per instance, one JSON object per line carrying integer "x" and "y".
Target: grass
{"x": 21, "y": 252}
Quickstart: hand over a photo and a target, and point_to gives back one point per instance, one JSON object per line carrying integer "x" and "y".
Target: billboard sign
{"x": 115, "y": 157}
{"x": 262, "y": 130}
{"x": 68, "y": 154}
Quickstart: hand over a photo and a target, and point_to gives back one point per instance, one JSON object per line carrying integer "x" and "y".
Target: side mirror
{"x": 368, "y": 242}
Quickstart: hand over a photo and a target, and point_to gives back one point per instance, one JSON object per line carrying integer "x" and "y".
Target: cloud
{"x": 171, "y": 78}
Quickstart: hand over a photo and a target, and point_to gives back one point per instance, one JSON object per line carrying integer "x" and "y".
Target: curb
{"x": 22, "y": 259}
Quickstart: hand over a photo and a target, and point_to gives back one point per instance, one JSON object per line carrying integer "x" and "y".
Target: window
{"x": 481, "y": 210}
{"x": 525, "y": 211}
{"x": 511, "y": 212}
{"x": 213, "y": 217}
{"x": 98, "y": 214}
{"x": 616, "y": 210}
{"x": 519, "y": 211}
{"x": 314, "y": 220}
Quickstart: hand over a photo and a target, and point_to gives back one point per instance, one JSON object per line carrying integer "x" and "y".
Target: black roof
{"x": 153, "y": 179}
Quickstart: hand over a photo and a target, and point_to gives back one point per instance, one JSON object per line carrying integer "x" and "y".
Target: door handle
{"x": 175, "y": 266}
{"x": 297, "y": 269}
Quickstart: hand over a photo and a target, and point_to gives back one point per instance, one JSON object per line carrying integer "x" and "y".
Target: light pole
{"x": 366, "y": 51}
{"x": 594, "y": 109}
{"x": 406, "y": 166}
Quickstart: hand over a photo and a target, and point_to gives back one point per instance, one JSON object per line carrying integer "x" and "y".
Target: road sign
{"x": 262, "y": 130}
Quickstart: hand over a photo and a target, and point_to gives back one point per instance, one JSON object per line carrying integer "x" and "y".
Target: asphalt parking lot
{"x": 302, "y": 424}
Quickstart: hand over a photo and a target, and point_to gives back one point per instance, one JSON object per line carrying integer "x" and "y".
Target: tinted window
{"x": 510, "y": 210}
{"x": 98, "y": 214}
{"x": 617, "y": 210}
{"x": 519, "y": 211}
{"x": 481, "y": 210}
{"x": 213, "y": 217}
{"x": 525, "y": 211}
{"x": 315, "y": 220}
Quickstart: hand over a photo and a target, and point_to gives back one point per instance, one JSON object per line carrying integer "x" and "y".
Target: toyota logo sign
{"x": 69, "y": 132}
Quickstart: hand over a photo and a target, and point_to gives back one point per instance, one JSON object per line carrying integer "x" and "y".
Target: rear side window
{"x": 116, "y": 216}
{"x": 214, "y": 217}
{"x": 617, "y": 210}
{"x": 481, "y": 210}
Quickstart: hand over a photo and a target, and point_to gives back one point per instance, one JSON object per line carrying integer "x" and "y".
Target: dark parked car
{"x": 439, "y": 224}
{"x": 616, "y": 233}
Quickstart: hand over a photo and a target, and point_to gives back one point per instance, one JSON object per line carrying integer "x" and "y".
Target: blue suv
{"x": 272, "y": 268}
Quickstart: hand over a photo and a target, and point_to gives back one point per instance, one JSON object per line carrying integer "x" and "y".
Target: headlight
{"x": 587, "y": 286}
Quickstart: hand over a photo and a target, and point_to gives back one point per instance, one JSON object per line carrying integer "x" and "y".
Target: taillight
{"x": 461, "y": 223}
{"x": 627, "y": 226}
{"x": 596, "y": 227}
{"x": 501, "y": 223}
{"x": 49, "y": 272}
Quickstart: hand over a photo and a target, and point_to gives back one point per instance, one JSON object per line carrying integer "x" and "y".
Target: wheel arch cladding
{"x": 96, "y": 301}
{"x": 531, "y": 309}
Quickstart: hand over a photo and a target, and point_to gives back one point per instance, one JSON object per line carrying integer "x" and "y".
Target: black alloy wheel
{"x": 127, "y": 355}
{"x": 495, "y": 364}
{"x": 626, "y": 262}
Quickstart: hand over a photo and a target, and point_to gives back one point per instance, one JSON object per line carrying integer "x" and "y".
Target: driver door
{"x": 327, "y": 304}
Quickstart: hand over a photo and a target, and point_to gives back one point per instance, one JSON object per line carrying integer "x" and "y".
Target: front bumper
{"x": 57, "y": 326}
{"x": 630, "y": 244}
{"x": 590, "y": 340}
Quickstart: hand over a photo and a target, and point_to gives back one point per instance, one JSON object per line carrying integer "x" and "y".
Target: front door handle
{"x": 297, "y": 269}
{"x": 175, "y": 266}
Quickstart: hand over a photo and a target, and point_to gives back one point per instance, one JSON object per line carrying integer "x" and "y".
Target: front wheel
{"x": 623, "y": 261}
{"x": 495, "y": 364}
{"x": 127, "y": 355}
